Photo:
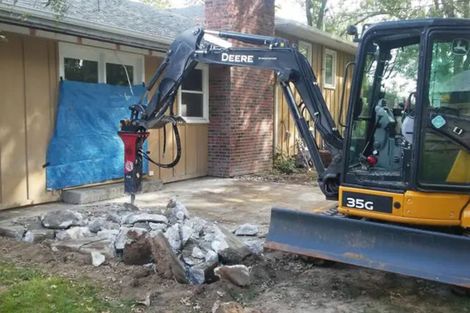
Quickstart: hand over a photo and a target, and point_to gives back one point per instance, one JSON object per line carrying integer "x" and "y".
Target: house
{"x": 233, "y": 123}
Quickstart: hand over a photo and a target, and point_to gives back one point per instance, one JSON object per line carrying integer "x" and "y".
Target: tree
{"x": 315, "y": 11}
{"x": 367, "y": 11}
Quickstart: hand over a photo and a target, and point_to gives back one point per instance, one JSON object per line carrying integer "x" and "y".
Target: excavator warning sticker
{"x": 355, "y": 200}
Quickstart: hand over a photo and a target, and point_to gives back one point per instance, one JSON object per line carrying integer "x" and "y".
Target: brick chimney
{"x": 241, "y": 100}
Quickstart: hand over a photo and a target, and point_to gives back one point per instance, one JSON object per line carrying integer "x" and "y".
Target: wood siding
{"x": 286, "y": 134}
{"x": 29, "y": 81}
{"x": 194, "y": 144}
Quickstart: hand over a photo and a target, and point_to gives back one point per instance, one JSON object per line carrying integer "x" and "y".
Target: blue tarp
{"x": 85, "y": 147}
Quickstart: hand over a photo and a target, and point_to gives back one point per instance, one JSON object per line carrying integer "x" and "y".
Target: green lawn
{"x": 25, "y": 290}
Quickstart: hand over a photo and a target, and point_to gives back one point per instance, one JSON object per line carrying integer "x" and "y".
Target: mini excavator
{"x": 400, "y": 168}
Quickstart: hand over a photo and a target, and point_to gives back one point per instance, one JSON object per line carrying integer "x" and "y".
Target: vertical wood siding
{"x": 28, "y": 81}
{"x": 194, "y": 145}
{"x": 287, "y": 135}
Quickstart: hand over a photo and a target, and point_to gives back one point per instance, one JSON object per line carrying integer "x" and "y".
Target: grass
{"x": 25, "y": 290}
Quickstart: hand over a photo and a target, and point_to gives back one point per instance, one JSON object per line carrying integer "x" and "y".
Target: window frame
{"x": 307, "y": 46}
{"x": 205, "y": 97}
{"x": 102, "y": 56}
{"x": 333, "y": 54}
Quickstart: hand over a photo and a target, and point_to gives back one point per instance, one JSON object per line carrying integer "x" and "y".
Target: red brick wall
{"x": 241, "y": 100}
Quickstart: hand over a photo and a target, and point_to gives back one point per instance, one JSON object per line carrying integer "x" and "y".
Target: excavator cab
{"x": 405, "y": 183}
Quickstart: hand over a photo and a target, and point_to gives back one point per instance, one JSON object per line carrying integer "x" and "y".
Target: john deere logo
{"x": 237, "y": 58}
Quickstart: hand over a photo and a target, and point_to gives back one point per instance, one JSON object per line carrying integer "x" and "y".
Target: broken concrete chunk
{"x": 97, "y": 224}
{"x": 197, "y": 225}
{"x": 145, "y": 217}
{"x": 158, "y": 226}
{"x": 197, "y": 253}
{"x": 247, "y": 230}
{"x": 202, "y": 273}
{"x": 238, "y": 275}
{"x": 126, "y": 234}
{"x": 177, "y": 211}
{"x": 86, "y": 246}
{"x": 38, "y": 235}
{"x": 186, "y": 234}
{"x": 12, "y": 231}
{"x": 97, "y": 258}
{"x": 62, "y": 219}
{"x": 174, "y": 237}
{"x": 74, "y": 233}
{"x": 168, "y": 265}
{"x": 211, "y": 256}
{"x": 254, "y": 244}
{"x": 110, "y": 234}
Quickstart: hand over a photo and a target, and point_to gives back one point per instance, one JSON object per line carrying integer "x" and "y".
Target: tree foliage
{"x": 336, "y": 18}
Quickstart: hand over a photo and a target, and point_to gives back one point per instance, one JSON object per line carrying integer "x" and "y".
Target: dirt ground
{"x": 281, "y": 283}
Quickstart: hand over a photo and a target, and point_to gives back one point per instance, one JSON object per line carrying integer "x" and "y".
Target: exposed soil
{"x": 280, "y": 283}
{"x": 301, "y": 176}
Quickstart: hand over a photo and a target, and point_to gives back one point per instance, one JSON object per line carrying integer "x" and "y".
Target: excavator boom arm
{"x": 270, "y": 53}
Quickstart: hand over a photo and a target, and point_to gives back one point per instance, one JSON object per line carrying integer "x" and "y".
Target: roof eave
{"x": 314, "y": 35}
{"x": 42, "y": 20}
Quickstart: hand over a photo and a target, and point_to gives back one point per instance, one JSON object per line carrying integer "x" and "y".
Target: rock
{"x": 211, "y": 256}
{"x": 254, "y": 244}
{"x": 202, "y": 273}
{"x": 97, "y": 258}
{"x": 188, "y": 258}
{"x": 85, "y": 246}
{"x": 238, "y": 275}
{"x": 122, "y": 238}
{"x": 143, "y": 225}
{"x": 73, "y": 233}
{"x": 62, "y": 219}
{"x": 186, "y": 234}
{"x": 12, "y": 231}
{"x": 174, "y": 237}
{"x": 137, "y": 250}
{"x": 168, "y": 265}
{"x": 197, "y": 253}
{"x": 236, "y": 251}
{"x": 146, "y": 217}
{"x": 96, "y": 224}
{"x": 38, "y": 235}
{"x": 197, "y": 225}
{"x": 110, "y": 234}
{"x": 158, "y": 226}
{"x": 177, "y": 211}
{"x": 247, "y": 230}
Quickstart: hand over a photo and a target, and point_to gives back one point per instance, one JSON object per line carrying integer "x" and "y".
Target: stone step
{"x": 105, "y": 192}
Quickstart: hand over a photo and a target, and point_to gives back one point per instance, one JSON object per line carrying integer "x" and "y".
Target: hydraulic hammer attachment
{"x": 133, "y": 142}
{"x": 409, "y": 251}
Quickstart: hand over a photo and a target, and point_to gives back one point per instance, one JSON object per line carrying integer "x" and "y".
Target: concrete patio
{"x": 230, "y": 201}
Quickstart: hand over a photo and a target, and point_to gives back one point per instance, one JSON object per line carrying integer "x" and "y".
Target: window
{"x": 329, "y": 69}
{"x": 445, "y": 150}
{"x": 96, "y": 65}
{"x": 306, "y": 49}
{"x": 194, "y": 98}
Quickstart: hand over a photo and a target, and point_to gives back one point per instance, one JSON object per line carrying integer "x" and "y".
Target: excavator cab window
{"x": 383, "y": 113}
{"x": 445, "y": 149}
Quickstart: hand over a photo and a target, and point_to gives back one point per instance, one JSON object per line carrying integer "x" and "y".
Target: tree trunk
{"x": 321, "y": 15}
{"x": 308, "y": 11}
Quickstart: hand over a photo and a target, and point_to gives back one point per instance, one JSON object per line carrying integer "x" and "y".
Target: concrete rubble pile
{"x": 186, "y": 248}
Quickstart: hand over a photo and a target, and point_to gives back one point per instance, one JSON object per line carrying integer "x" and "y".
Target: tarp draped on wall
{"x": 85, "y": 147}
